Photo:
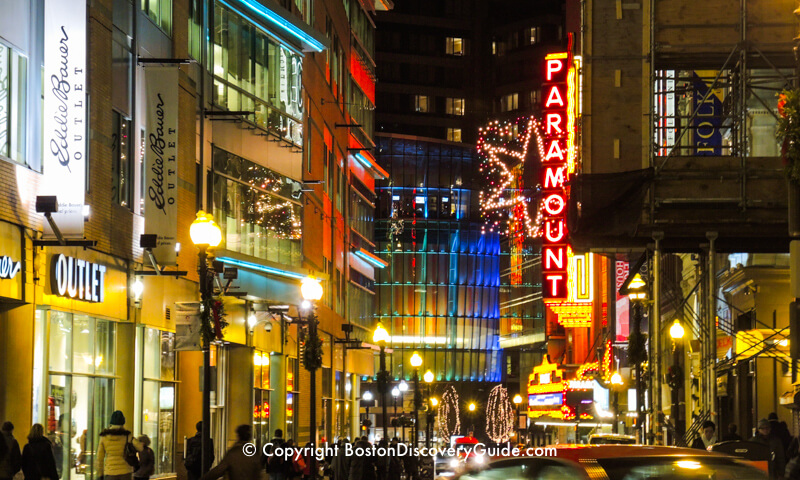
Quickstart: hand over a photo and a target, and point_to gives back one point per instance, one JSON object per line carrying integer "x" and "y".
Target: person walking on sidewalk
{"x": 237, "y": 464}
{"x": 111, "y": 462}
{"x": 12, "y": 461}
{"x": 38, "y": 461}
{"x": 194, "y": 453}
{"x": 147, "y": 460}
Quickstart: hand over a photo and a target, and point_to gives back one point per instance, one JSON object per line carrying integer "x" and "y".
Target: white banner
{"x": 187, "y": 326}
{"x": 161, "y": 155}
{"x": 65, "y": 113}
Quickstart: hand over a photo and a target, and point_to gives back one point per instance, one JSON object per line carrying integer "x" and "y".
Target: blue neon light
{"x": 363, "y": 160}
{"x": 281, "y": 23}
{"x": 369, "y": 259}
{"x": 261, "y": 268}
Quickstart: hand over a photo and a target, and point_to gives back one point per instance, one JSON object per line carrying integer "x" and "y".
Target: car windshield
{"x": 666, "y": 468}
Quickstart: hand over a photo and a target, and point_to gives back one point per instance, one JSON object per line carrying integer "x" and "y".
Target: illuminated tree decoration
{"x": 449, "y": 418}
{"x": 499, "y": 415}
{"x": 508, "y": 200}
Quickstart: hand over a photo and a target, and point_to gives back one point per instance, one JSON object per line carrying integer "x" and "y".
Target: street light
{"x": 675, "y": 376}
{"x": 381, "y": 336}
{"x": 416, "y": 362}
{"x": 403, "y": 386}
{"x": 471, "y": 407}
{"x": 367, "y": 398}
{"x": 311, "y": 290}
{"x": 637, "y": 293}
{"x": 676, "y": 331}
{"x": 517, "y": 401}
{"x": 395, "y": 394}
{"x": 428, "y": 377}
{"x": 616, "y": 385}
{"x": 205, "y": 234}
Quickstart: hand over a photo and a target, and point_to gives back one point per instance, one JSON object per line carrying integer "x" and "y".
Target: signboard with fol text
{"x": 64, "y": 111}
{"x": 161, "y": 161}
{"x": 11, "y": 261}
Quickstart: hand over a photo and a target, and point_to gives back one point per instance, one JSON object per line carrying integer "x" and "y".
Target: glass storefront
{"x": 73, "y": 386}
{"x": 155, "y": 404}
{"x": 261, "y": 392}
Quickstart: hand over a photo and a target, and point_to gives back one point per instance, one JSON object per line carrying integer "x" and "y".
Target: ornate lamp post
{"x": 675, "y": 377}
{"x": 205, "y": 234}
{"x": 428, "y": 377}
{"x": 367, "y": 397}
{"x": 311, "y": 290}
{"x": 381, "y": 336}
{"x": 517, "y": 401}
{"x": 416, "y": 362}
{"x": 617, "y": 385}
{"x": 637, "y": 353}
{"x": 403, "y": 387}
{"x": 395, "y": 394}
{"x": 471, "y": 407}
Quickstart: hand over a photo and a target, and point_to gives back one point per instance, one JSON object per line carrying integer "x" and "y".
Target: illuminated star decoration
{"x": 504, "y": 150}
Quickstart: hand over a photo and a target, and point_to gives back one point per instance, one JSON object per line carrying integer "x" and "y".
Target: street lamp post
{"x": 403, "y": 387}
{"x": 311, "y": 291}
{"x": 676, "y": 332}
{"x": 517, "y": 401}
{"x": 471, "y": 409}
{"x": 428, "y": 377}
{"x": 381, "y": 336}
{"x": 205, "y": 234}
{"x": 416, "y": 362}
{"x": 395, "y": 394}
{"x": 616, "y": 384}
{"x": 367, "y": 397}
{"x": 636, "y": 349}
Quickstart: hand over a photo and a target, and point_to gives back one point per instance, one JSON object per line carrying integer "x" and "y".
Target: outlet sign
{"x": 8, "y": 267}
{"x": 77, "y": 279}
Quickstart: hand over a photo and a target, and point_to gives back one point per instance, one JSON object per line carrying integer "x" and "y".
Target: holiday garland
{"x": 212, "y": 320}
{"x": 789, "y": 132}
{"x": 449, "y": 417}
{"x": 499, "y": 415}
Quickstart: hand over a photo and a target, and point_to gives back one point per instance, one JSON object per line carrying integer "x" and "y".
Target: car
{"x": 611, "y": 439}
{"x": 616, "y": 462}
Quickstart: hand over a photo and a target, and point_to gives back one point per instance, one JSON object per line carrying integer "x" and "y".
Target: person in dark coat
{"x": 38, "y": 461}
{"x": 236, "y": 464}
{"x": 382, "y": 462}
{"x": 777, "y": 464}
{"x": 780, "y": 431}
{"x": 194, "y": 453}
{"x": 11, "y": 462}
{"x": 395, "y": 462}
{"x": 411, "y": 464}
{"x": 731, "y": 436}
{"x": 147, "y": 460}
{"x": 362, "y": 467}
{"x": 274, "y": 464}
{"x": 708, "y": 437}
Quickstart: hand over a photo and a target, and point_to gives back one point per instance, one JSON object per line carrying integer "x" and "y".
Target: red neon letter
{"x": 554, "y": 177}
{"x": 554, "y": 97}
{"x": 554, "y": 120}
{"x": 554, "y": 280}
{"x": 551, "y": 261}
{"x": 554, "y": 151}
{"x": 555, "y": 204}
{"x": 554, "y": 237}
{"x": 554, "y": 66}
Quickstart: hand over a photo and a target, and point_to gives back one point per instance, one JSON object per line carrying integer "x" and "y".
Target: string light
{"x": 449, "y": 419}
{"x": 499, "y": 415}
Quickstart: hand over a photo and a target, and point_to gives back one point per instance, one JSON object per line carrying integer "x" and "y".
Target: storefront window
{"x": 292, "y": 401}
{"x": 74, "y": 400}
{"x": 261, "y": 430}
{"x": 158, "y": 395}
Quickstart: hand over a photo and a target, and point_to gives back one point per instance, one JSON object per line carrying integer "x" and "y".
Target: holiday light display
{"x": 449, "y": 418}
{"x": 551, "y": 394}
{"x": 499, "y": 415}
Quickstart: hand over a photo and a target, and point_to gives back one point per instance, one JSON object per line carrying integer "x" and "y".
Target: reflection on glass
{"x": 60, "y": 341}
{"x": 104, "y": 347}
{"x": 152, "y": 353}
{"x": 83, "y": 358}
{"x": 59, "y": 402}
{"x": 167, "y": 356}
{"x": 165, "y": 444}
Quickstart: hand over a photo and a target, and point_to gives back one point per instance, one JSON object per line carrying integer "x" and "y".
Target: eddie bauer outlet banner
{"x": 161, "y": 154}
{"x": 64, "y": 112}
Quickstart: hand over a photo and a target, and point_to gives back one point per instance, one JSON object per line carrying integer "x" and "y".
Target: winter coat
{"x": 111, "y": 452}
{"x": 777, "y": 464}
{"x": 147, "y": 463}
{"x": 236, "y": 466}
{"x": 12, "y": 461}
{"x": 362, "y": 467}
{"x": 194, "y": 455}
{"x": 38, "y": 461}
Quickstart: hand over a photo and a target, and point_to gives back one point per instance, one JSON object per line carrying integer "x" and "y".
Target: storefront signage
{"x": 8, "y": 267}
{"x": 77, "y": 279}
{"x": 161, "y": 153}
{"x": 64, "y": 111}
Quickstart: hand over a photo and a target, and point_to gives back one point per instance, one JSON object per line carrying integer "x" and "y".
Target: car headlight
{"x": 453, "y": 463}
{"x": 479, "y": 459}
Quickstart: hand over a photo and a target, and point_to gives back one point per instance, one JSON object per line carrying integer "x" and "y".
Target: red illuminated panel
{"x": 362, "y": 77}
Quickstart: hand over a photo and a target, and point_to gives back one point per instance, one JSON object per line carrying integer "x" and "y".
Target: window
{"x": 121, "y": 165}
{"x": 536, "y": 97}
{"x": 455, "y": 106}
{"x": 454, "y": 134}
{"x": 532, "y": 35}
{"x": 290, "y": 433}
{"x": 195, "y": 29}
{"x": 261, "y": 392}
{"x": 160, "y": 12}
{"x": 454, "y": 46}
{"x": 509, "y": 102}
{"x": 421, "y": 103}
{"x": 13, "y": 90}
{"x": 157, "y": 400}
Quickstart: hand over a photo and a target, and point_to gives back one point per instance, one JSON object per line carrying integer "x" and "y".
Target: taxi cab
{"x": 617, "y": 462}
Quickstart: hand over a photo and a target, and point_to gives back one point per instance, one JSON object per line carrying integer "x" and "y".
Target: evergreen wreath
{"x": 788, "y": 132}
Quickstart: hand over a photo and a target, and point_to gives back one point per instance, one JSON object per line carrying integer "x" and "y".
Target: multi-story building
{"x": 152, "y": 111}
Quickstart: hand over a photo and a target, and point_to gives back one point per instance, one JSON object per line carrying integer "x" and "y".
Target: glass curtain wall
{"x": 74, "y": 396}
{"x": 261, "y": 392}
{"x": 439, "y": 294}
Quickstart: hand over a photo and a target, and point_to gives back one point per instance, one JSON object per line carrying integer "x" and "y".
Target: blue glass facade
{"x": 439, "y": 295}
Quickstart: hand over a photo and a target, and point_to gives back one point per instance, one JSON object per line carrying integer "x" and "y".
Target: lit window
{"x": 455, "y": 106}
{"x": 160, "y": 11}
{"x": 13, "y": 89}
{"x": 535, "y": 97}
{"x": 454, "y": 134}
{"x": 421, "y": 103}
{"x": 454, "y": 46}
{"x": 533, "y": 35}
{"x": 509, "y": 102}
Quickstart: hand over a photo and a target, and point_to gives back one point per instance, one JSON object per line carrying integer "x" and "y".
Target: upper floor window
{"x": 454, "y": 46}
{"x": 532, "y": 35}
{"x": 160, "y": 11}
{"x": 455, "y": 106}
{"x": 454, "y": 134}
{"x": 509, "y": 102}
{"x": 13, "y": 97}
{"x": 421, "y": 103}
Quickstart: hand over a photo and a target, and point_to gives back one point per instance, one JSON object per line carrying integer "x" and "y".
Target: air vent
{"x": 168, "y": 313}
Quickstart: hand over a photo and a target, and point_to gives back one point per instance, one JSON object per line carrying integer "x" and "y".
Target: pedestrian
{"x": 382, "y": 461}
{"x": 11, "y": 462}
{"x": 274, "y": 464}
{"x": 113, "y": 462}
{"x": 362, "y": 467}
{"x": 147, "y": 460}
{"x": 395, "y": 462}
{"x": 780, "y": 431}
{"x": 411, "y": 464}
{"x": 38, "y": 462}
{"x": 290, "y": 465}
{"x": 193, "y": 461}
{"x": 777, "y": 461}
{"x": 237, "y": 464}
{"x": 307, "y": 454}
{"x": 708, "y": 437}
{"x": 732, "y": 436}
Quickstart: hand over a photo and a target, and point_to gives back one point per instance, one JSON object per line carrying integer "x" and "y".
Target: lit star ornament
{"x": 505, "y": 154}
